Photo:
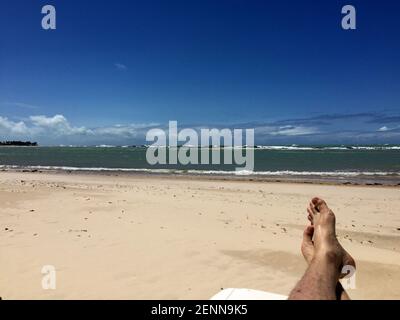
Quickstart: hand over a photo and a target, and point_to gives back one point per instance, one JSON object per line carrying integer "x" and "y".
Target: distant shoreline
{"x": 18, "y": 144}
{"x": 284, "y": 147}
{"x": 360, "y": 180}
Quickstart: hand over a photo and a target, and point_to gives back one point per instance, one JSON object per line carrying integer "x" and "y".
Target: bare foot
{"x": 322, "y": 229}
{"x": 307, "y": 246}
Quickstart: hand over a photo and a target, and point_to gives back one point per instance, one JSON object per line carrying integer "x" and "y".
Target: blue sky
{"x": 113, "y": 69}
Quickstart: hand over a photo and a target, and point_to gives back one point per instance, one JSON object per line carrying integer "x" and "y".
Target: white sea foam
{"x": 286, "y": 148}
{"x": 105, "y": 146}
{"x": 213, "y": 172}
{"x": 261, "y": 147}
{"x": 306, "y": 148}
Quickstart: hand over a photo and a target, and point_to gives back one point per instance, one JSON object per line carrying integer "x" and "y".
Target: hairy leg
{"x": 307, "y": 249}
{"x": 319, "y": 281}
{"x": 321, "y": 278}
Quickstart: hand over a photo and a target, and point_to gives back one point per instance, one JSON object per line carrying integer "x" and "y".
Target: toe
{"x": 310, "y": 216}
{"x": 315, "y": 200}
{"x": 307, "y": 246}
{"x": 308, "y": 234}
{"x": 319, "y": 204}
{"x": 322, "y": 206}
{"x": 313, "y": 209}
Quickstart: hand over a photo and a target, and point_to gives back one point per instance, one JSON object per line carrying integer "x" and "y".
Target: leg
{"x": 321, "y": 278}
{"x": 319, "y": 281}
{"x": 347, "y": 258}
{"x": 307, "y": 249}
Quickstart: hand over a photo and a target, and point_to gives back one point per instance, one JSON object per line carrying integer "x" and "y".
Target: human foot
{"x": 323, "y": 220}
{"x": 307, "y": 245}
{"x": 307, "y": 248}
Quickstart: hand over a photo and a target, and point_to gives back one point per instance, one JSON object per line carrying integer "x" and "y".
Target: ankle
{"x": 329, "y": 256}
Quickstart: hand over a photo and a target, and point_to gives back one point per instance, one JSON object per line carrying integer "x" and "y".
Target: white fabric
{"x": 246, "y": 294}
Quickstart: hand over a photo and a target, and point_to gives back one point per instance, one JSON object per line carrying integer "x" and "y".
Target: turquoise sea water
{"x": 278, "y": 160}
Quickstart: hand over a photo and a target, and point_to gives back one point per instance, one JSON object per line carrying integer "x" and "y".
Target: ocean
{"x": 371, "y": 163}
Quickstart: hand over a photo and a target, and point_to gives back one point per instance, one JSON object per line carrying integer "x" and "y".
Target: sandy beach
{"x": 161, "y": 237}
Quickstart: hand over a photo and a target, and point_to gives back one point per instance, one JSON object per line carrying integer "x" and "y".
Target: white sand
{"x": 149, "y": 237}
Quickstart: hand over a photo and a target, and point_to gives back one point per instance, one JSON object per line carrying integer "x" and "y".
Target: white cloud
{"x": 49, "y": 121}
{"x": 120, "y": 66}
{"x": 21, "y": 105}
{"x": 57, "y": 125}
{"x": 285, "y": 130}
{"x": 124, "y": 131}
{"x": 11, "y": 127}
{"x": 384, "y": 128}
{"x": 57, "y": 129}
{"x": 295, "y": 131}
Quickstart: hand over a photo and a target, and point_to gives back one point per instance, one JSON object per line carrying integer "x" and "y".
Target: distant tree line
{"x": 18, "y": 143}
